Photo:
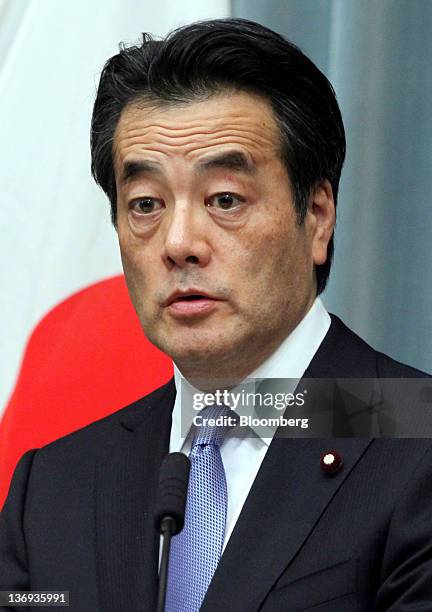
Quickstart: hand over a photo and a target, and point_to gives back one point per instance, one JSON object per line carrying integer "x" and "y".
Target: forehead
{"x": 193, "y": 130}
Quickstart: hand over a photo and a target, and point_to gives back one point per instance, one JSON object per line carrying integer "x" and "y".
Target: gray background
{"x": 378, "y": 56}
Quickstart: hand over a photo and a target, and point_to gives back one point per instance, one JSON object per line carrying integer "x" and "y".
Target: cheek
{"x": 273, "y": 267}
{"x": 134, "y": 253}
{"x": 269, "y": 249}
{"x": 137, "y": 268}
{"x": 130, "y": 257}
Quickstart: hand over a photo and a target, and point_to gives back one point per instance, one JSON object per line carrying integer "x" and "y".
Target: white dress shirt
{"x": 243, "y": 452}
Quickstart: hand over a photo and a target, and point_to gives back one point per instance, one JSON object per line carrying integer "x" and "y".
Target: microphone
{"x": 170, "y": 510}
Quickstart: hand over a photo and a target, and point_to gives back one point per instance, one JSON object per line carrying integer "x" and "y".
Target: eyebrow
{"x": 135, "y": 168}
{"x": 236, "y": 161}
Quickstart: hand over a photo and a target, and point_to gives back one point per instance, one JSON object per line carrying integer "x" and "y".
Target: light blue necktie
{"x": 196, "y": 550}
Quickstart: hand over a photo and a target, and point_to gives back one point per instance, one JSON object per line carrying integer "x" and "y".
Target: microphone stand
{"x": 167, "y": 529}
{"x": 169, "y": 512}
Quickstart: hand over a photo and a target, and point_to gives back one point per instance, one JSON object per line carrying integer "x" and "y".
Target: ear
{"x": 321, "y": 219}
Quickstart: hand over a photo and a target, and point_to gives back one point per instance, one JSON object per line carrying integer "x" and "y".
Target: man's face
{"x": 218, "y": 269}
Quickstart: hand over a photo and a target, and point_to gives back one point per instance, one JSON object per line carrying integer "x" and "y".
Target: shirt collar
{"x": 289, "y": 361}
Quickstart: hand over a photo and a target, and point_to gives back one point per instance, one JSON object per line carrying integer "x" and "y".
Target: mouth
{"x": 189, "y": 297}
{"x": 190, "y": 303}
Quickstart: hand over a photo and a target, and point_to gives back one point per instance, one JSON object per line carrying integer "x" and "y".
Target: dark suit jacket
{"x": 79, "y": 514}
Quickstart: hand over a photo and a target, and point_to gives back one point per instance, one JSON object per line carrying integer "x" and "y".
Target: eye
{"x": 145, "y": 206}
{"x": 224, "y": 201}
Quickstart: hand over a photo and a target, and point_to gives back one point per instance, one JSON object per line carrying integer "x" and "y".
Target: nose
{"x": 186, "y": 237}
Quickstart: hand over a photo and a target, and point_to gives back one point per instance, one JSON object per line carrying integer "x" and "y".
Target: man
{"x": 220, "y": 149}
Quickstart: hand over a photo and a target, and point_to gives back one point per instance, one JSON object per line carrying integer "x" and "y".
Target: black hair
{"x": 223, "y": 55}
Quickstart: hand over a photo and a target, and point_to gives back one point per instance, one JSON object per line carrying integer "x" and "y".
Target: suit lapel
{"x": 125, "y": 488}
{"x": 287, "y": 499}
{"x": 290, "y": 492}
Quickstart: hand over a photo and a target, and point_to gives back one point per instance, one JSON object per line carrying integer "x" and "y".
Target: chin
{"x": 195, "y": 354}
{"x": 198, "y": 353}
{"x": 197, "y": 347}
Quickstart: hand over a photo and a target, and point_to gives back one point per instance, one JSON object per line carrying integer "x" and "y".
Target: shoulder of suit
{"x": 102, "y": 430}
{"x": 390, "y": 368}
{"x": 358, "y": 358}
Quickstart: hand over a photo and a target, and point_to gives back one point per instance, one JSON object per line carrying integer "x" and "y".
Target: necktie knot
{"x": 214, "y": 424}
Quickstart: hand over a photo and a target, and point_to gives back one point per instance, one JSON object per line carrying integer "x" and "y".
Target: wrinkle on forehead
{"x": 188, "y": 130}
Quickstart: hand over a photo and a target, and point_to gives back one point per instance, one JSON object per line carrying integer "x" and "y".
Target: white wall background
{"x": 56, "y": 236}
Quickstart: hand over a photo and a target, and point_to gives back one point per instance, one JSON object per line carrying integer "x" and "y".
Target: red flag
{"x": 87, "y": 358}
